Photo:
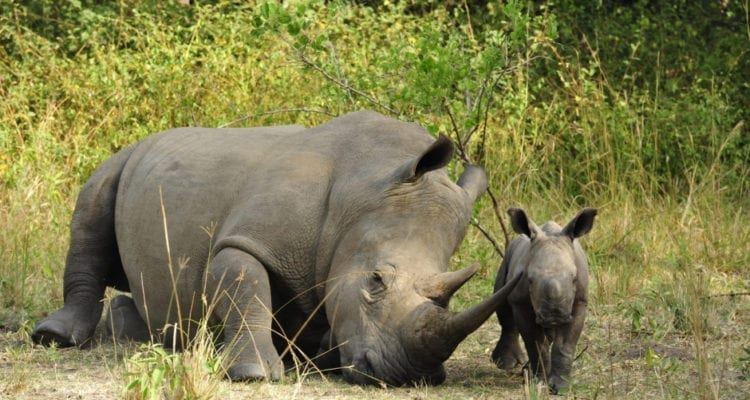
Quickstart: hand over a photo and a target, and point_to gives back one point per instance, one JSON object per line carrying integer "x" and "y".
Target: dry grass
{"x": 614, "y": 363}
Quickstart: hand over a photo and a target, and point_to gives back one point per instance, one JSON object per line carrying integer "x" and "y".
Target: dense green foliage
{"x": 631, "y": 92}
{"x": 638, "y": 108}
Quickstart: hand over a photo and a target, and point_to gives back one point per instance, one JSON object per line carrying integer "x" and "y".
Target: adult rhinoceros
{"x": 336, "y": 237}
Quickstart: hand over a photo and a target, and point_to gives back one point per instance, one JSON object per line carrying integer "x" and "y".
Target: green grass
{"x": 669, "y": 251}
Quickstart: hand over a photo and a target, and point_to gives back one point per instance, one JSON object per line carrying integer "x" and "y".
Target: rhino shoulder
{"x": 512, "y": 262}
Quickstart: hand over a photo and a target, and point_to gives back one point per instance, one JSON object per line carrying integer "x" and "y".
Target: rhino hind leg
{"x": 124, "y": 322}
{"x": 243, "y": 303}
{"x": 92, "y": 263}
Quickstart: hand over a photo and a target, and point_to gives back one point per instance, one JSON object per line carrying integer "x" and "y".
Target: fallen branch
{"x": 732, "y": 294}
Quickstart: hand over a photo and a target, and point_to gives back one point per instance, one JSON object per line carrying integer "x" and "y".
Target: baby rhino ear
{"x": 581, "y": 224}
{"x": 522, "y": 224}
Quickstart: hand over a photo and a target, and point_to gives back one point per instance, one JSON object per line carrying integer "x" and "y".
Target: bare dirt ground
{"x": 613, "y": 364}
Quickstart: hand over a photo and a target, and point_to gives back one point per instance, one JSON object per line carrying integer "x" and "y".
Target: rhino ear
{"x": 522, "y": 224}
{"x": 581, "y": 224}
{"x": 437, "y": 156}
{"x": 473, "y": 181}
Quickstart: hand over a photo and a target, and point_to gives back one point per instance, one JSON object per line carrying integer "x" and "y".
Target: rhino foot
{"x": 509, "y": 356}
{"x": 254, "y": 372}
{"x": 52, "y": 331}
{"x": 65, "y": 328}
{"x": 557, "y": 384}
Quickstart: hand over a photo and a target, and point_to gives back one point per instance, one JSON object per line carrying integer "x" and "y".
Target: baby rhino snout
{"x": 552, "y": 319}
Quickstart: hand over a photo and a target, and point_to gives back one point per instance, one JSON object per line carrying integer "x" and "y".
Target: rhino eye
{"x": 375, "y": 282}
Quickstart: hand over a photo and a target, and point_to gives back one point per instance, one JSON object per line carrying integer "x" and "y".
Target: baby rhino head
{"x": 554, "y": 263}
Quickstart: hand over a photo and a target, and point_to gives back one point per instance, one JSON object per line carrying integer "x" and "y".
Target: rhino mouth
{"x": 371, "y": 369}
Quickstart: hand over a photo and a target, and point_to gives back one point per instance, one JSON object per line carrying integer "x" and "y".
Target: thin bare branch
{"x": 346, "y": 86}
{"x": 463, "y": 154}
{"x": 488, "y": 236}
{"x": 459, "y": 143}
{"x": 499, "y": 215}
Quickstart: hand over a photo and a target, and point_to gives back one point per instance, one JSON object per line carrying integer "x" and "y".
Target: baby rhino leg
{"x": 508, "y": 353}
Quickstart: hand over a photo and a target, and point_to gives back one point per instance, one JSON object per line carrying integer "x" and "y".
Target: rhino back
{"x": 194, "y": 174}
{"x": 282, "y": 194}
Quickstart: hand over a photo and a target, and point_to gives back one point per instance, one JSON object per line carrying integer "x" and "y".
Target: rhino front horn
{"x": 441, "y": 287}
{"x": 460, "y": 325}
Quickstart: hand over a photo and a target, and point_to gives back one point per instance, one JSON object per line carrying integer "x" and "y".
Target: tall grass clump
{"x": 629, "y": 107}
{"x": 154, "y": 372}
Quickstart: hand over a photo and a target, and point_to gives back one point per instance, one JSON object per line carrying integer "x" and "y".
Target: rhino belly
{"x": 168, "y": 206}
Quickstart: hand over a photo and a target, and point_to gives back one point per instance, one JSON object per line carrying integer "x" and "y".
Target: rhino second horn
{"x": 441, "y": 287}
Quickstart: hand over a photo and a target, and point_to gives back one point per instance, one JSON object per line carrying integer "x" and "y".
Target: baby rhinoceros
{"x": 548, "y": 306}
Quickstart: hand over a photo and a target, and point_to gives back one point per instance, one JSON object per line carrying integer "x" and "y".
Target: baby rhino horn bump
{"x": 441, "y": 287}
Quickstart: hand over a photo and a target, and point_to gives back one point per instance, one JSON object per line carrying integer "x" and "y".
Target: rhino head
{"x": 552, "y": 264}
{"x": 388, "y": 292}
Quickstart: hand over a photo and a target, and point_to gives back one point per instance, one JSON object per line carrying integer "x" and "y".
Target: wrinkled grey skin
{"x": 548, "y": 306}
{"x": 336, "y": 237}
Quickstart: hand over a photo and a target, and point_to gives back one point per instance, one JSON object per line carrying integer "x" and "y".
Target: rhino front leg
{"x": 563, "y": 350}
{"x": 243, "y": 303}
{"x": 535, "y": 341}
{"x": 327, "y": 358}
{"x": 124, "y": 322}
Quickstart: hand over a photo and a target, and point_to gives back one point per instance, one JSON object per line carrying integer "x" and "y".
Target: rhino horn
{"x": 460, "y": 325}
{"x": 441, "y": 287}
